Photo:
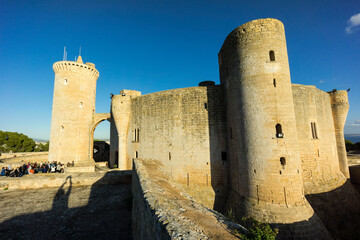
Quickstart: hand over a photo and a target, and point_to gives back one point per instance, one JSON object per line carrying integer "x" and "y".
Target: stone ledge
{"x": 163, "y": 211}
{"x": 42, "y": 180}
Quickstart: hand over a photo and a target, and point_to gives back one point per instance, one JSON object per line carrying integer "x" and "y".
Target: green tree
{"x": 349, "y": 145}
{"x": 16, "y": 142}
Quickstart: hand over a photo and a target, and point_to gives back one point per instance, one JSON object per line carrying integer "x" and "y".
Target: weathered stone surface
{"x": 73, "y": 112}
{"x": 95, "y": 211}
{"x": 163, "y": 211}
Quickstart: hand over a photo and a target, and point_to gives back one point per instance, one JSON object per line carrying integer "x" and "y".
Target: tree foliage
{"x": 42, "y": 147}
{"x": 258, "y": 230}
{"x": 351, "y": 146}
{"x": 18, "y": 142}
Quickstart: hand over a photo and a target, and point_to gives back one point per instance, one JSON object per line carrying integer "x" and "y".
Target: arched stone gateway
{"x": 97, "y": 119}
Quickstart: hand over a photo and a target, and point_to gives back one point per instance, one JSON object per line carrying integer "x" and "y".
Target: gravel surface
{"x": 86, "y": 212}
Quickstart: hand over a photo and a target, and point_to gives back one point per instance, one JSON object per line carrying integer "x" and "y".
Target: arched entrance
{"x": 100, "y": 151}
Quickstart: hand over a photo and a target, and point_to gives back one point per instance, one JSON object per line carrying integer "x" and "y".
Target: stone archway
{"x": 97, "y": 119}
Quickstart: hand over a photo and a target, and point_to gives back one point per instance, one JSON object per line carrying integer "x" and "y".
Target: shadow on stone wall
{"x": 339, "y": 210}
{"x": 218, "y": 145}
{"x": 106, "y": 216}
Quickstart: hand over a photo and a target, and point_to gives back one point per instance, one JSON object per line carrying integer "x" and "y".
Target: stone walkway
{"x": 67, "y": 212}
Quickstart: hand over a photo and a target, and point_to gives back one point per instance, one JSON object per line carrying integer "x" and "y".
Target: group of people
{"x": 32, "y": 168}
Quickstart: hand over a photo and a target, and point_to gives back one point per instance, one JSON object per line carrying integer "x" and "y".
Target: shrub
{"x": 258, "y": 230}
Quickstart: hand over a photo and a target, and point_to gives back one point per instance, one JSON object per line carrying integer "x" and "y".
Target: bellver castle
{"x": 260, "y": 142}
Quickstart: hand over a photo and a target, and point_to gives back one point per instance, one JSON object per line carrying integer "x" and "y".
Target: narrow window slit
{"x": 272, "y": 56}
{"x": 279, "y": 133}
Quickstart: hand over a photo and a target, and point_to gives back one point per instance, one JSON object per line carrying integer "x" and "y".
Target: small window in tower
{"x": 61, "y": 128}
{"x": 206, "y": 105}
{"x": 272, "y": 55}
{"x": 138, "y": 135}
{"x": 283, "y": 162}
{"x": 274, "y": 82}
{"x": 314, "y": 130}
{"x": 279, "y": 133}
{"x": 81, "y": 105}
{"x": 136, "y": 154}
{"x": 169, "y": 155}
{"x": 65, "y": 81}
{"x": 224, "y": 156}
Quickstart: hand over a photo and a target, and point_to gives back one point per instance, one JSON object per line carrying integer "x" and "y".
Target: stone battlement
{"x": 74, "y": 67}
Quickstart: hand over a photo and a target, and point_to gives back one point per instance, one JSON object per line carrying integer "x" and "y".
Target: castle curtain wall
{"x": 185, "y": 130}
{"x": 316, "y": 137}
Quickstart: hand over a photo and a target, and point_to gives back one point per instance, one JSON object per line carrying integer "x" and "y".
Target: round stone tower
{"x": 265, "y": 168}
{"x": 72, "y": 112}
{"x": 340, "y": 108}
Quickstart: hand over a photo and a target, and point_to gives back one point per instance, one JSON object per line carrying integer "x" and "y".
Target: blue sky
{"x": 156, "y": 45}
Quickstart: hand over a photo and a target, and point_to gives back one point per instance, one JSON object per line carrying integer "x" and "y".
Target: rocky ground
{"x": 86, "y": 212}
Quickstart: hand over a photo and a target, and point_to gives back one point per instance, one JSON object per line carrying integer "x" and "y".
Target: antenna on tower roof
{"x": 64, "y": 54}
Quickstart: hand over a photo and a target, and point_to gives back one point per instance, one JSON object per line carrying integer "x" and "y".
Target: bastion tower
{"x": 265, "y": 167}
{"x": 72, "y": 112}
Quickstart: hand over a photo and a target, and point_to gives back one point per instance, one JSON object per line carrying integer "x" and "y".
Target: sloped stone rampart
{"x": 163, "y": 211}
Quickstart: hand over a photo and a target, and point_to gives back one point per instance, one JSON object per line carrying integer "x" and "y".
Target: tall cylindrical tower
{"x": 340, "y": 108}
{"x": 265, "y": 167}
{"x": 72, "y": 111}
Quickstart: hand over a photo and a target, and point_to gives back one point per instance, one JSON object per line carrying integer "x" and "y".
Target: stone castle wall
{"x": 185, "y": 130}
{"x": 163, "y": 210}
{"x": 318, "y": 151}
{"x": 256, "y": 142}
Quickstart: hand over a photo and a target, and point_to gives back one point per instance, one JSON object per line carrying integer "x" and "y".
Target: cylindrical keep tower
{"x": 72, "y": 112}
{"x": 340, "y": 108}
{"x": 265, "y": 168}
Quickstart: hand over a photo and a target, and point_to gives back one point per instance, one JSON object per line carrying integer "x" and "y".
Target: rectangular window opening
{"x": 224, "y": 156}
{"x": 314, "y": 130}
{"x": 136, "y": 135}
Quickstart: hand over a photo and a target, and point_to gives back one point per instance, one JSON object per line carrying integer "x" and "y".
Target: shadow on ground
{"x": 107, "y": 214}
{"x": 339, "y": 210}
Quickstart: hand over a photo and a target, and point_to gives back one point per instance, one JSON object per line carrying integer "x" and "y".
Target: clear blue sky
{"x": 156, "y": 45}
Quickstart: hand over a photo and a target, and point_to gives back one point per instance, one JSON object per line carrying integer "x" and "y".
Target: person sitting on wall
{"x": 58, "y": 167}
{"x": 16, "y": 172}
{"x": 53, "y": 168}
{"x": 45, "y": 168}
{"x": 3, "y": 170}
{"x": 20, "y": 171}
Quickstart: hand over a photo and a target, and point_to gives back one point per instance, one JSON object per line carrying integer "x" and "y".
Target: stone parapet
{"x": 163, "y": 211}
{"x": 42, "y": 180}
